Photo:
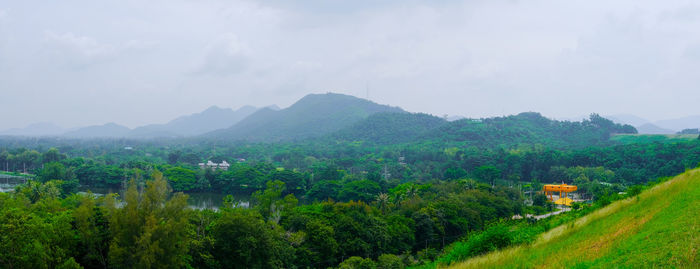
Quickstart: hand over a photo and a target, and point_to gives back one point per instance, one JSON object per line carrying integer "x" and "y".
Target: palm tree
{"x": 382, "y": 202}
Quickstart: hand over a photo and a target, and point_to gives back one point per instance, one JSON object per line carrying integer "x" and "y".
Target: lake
{"x": 197, "y": 200}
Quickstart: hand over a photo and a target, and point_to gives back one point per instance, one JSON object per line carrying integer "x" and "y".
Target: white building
{"x": 213, "y": 166}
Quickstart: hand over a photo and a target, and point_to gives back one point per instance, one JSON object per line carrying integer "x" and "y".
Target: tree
{"x": 52, "y": 171}
{"x": 389, "y": 261}
{"x": 357, "y": 263}
{"x": 269, "y": 202}
{"x": 182, "y": 179}
{"x": 487, "y": 173}
{"x": 52, "y": 155}
{"x": 92, "y": 227}
{"x": 174, "y": 157}
{"x": 539, "y": 200}
{"x": 323, "y": 190}
{"x": 150, "y": 230}
{"x": 243, "y": 240}
{"x": 359, "y": 190}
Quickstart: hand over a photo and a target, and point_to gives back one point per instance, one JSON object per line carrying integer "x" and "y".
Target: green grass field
{"x": 658, "y": 229}
{"x": 648, "y": 138}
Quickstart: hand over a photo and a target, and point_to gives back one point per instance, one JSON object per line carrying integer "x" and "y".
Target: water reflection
{"x": 199, "y": 200}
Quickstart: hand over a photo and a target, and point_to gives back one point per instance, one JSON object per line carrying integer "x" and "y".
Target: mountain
{"x": 678, "y": 124}
{"x": 627, "y": 119}
{"x": 36, "y": 129}
{"x": 455, "y": 117}
{"x": 312, "y": 116}
{"x": 528, "y": 128}
{"x": 211, "y": 119}
{"x": 656, "y": 229}
{"x": 650, "y": 128}
{"x": 390, "y": 128}
{"x": 106, "y": 130}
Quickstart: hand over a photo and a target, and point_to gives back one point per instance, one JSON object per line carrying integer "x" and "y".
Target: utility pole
{"x": 386, "y": 173}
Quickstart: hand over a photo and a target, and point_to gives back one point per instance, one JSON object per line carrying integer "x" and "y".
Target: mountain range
{"x": 315, "y": 115}
{"x": 211, "y": 119}
{"x": 312, "y": 116}
{"x": 668, "y": 126}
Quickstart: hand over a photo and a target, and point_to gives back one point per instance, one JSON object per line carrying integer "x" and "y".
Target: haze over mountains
{"x": 312, "y": 116}
{"x": 668, "y": 126}
{"x": 208, "y": 120}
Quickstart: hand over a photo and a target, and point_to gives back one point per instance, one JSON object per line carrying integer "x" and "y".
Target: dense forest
{"x": 390, "y": 191}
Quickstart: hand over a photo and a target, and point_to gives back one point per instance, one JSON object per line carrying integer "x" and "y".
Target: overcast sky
{"x": 137, "y": 62}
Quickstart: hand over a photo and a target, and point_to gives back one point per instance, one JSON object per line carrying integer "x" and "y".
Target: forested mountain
{"x": 211, "y": 119}
{"x": 390, "y": 128}
{"x": 107, "y": 130}
{"x": 529, "y": 128}
{"x": 312, "y": 116}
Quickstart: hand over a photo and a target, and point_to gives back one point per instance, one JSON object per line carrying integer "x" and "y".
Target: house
{"x": 213, "y": 166}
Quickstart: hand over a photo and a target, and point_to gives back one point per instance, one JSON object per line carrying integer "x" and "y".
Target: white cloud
{"x": 474, "y": 58}
{"x": 83, "y": 46}
{"x": 226, "y": 55}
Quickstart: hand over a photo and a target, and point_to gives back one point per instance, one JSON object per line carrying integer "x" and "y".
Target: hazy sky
{"x": 136, "y": 62}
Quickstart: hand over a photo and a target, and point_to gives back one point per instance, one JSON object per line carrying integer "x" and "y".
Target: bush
{"x": 355, "y": 262}
{"x": 389, "y": 261}
{"x": 634, "y": 190}
{"x": 493, "y": 238}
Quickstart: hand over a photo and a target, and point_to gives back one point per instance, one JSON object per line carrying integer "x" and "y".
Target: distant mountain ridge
{"x": 314, "y": 115}
{"x": 111, "y": 130}
{"x": 213, "y": 118}
{"x": 36, "y": 129}
{"x": 667, "y": 126}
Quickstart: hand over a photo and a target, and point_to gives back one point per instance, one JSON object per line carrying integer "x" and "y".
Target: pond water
{"x": 8, "y": 182}
{"x": 196, "y": 200}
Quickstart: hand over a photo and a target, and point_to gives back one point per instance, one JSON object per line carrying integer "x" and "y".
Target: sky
{"x": 77, "y": 63}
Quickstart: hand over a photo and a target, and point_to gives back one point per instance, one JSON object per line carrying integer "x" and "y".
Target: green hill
{"x": 390, "y": 128}
{"x": 314, "y": 115}
{"x": 530, "y": 128}
{"x": 660, "y": 228}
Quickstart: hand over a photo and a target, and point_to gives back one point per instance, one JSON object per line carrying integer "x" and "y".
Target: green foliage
{"x": 312, "y": 116}
{"x": 539, "y": 200}
{"x": 493, "y": 238}
{"x": 360, "y": 190}
{"x": 243, "y": 240}
{"x": 181, "y": 179}
{"x": 151, "y": 228}
{"x": 355, "y": 262}
{"x": 389, "y": 261}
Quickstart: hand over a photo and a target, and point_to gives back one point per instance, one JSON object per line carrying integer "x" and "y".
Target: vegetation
{"x": 657, "y": 228}
{"x": 647, "y": 138}
{"x": 381, "y": 190}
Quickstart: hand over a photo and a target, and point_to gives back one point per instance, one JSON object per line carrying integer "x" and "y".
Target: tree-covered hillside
{"x": 530, "y": 128}
{"x": 390, "y": 128}
{"x": 312, "y": 116}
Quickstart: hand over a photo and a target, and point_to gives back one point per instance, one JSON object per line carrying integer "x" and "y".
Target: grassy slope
{"x": 647, "y": 138}
{"x": 659, "y": 229}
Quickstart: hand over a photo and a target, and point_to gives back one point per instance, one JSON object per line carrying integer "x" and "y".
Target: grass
{"x": 659, "y": 228}
{"x": 649, "y": 138}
